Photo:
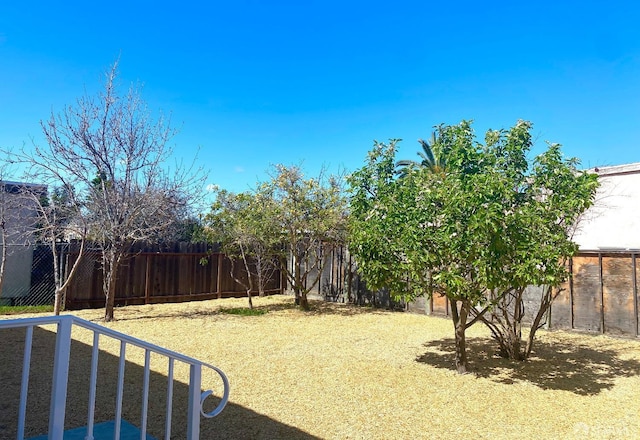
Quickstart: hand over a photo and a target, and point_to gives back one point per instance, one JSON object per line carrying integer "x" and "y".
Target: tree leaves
{"x": 489, "y": 221}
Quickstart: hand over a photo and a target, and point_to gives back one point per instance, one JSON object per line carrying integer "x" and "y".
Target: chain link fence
{"x": 28, "y": 278}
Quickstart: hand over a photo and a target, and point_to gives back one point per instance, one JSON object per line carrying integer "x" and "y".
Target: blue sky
{"x": 254, "y": 83}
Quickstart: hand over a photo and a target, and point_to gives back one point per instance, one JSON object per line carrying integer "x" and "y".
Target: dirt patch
{"x": 342, "y": 372}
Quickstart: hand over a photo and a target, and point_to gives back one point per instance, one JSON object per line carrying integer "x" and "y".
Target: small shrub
{"x": 242, "y": 311}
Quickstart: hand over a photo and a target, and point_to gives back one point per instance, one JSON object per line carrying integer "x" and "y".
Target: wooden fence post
{"x": 147, "y": 280}
{"x": 219, "y": 277}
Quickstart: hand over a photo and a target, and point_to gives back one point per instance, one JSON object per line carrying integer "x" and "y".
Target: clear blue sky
{"x": 254, "y": 83}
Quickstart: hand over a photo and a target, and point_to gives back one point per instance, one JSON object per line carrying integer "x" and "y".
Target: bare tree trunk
{"x": 260, "y": 274}
{"x": 460, "y": 325}
{"x": 304, "y": 302}
{"x": 61, "y": 282}
{"x": 545, "y": 303}
{"x": 249, "y": 298}
{"x": 111, "y": 262}
{"x": 505, "y": 322}
{"x": 57, "y": 302}
{"x": 3, "y": 257}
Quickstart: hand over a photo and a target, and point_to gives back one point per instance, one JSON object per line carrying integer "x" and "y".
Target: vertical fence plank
{"x": 219, "y": 276}
{"x": 147, "y": 280}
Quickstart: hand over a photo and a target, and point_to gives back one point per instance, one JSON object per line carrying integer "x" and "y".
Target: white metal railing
{"x": 62, "y": 358}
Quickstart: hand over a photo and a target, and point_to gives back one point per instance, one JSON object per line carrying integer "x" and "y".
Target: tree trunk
{"x": 110, "y": 302}
{"x": 219, "y": 277}
{"x": 459, "y": 322}
{"x": 545, "y": 303}
{"x": 3, "y": 257}
{"x": 110, "y": 270}
{"x": 249, "y": 297}
{"x": 57, "y": 302}
{"x": 260, "y": 276}
{"x": 304, "y": 302}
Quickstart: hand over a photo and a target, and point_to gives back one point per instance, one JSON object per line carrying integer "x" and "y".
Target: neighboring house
{"x": 18, "y": 217}
{"x": 613, "y": 222}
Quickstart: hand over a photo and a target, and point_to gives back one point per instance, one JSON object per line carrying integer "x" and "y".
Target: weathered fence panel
{"x": 587, "y": 298}
{"x": 601, "y": 295}
{"x": 154, "y": 277}
{"x": 560, "y": 315}
{"x": 617, "y": 285}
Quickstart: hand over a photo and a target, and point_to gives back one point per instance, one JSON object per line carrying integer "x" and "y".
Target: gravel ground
{"x": 342, "y": 372}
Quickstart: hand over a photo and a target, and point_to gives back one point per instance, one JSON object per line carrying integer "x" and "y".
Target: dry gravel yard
{"x": 341, "y": 372}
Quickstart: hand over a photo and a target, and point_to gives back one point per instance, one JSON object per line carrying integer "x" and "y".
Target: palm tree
{"x": 430, "y": 159}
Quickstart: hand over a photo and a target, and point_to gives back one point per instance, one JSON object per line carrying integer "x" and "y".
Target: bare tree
{"x": 243, "y": 225}
{"x": 112, "y": 153}
{"x": 60, "y": 220}
{"x": 309, "y": 220}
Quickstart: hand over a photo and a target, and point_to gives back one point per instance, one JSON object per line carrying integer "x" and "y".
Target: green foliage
{"x": 490, "y": 221}
{"x": 286, "y": 221}
{"x": 310, "y": 216}
{"x": 242, "y": 223}
{"x": 241, "y": 311}
{"x": 19, "y": 310}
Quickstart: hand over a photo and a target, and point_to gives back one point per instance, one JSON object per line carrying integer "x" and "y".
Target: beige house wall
{"x": 613, "y": 223}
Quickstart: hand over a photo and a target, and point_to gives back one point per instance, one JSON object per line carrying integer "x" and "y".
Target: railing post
{"x": 193, "y": 415}
{"x": 60, "y": 379}
{"x": 93, "y": 384}
{"x": 24, "y": 388}
{"x": 167, "y": 425}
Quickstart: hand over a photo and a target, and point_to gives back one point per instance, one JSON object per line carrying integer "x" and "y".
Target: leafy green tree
{"x": 309, "y": 218}
{"x": 466, "y": 233}
{"x": 539, "y": 223}
{"x": 243, "y": 225}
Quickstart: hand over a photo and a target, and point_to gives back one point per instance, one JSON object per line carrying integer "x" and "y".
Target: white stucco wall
{"x": 614, "y": 220}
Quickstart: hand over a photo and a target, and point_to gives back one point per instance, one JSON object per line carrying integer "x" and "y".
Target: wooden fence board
{"x": 562, "y": 309}
{"x": 439, "y": 305}
{"x": 618, "y": 295}
{"x": 161, "y": 277}
{"x": 587, "y": 307}
{"x": 419, "y": 305}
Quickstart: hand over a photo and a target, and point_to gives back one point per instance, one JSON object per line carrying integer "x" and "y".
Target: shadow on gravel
{"x": 316, "y": 308}
{"x": 566, "y": 366}
{"x": 235, "y": 421}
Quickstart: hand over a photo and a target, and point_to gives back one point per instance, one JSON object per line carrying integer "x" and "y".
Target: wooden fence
{"x": 601, "y": 295}
{"x": 157, "y": 277}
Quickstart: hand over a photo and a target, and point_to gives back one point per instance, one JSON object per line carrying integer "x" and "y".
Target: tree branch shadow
{"x": 317, "y": 307}
{"x": 558, "y": 365}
